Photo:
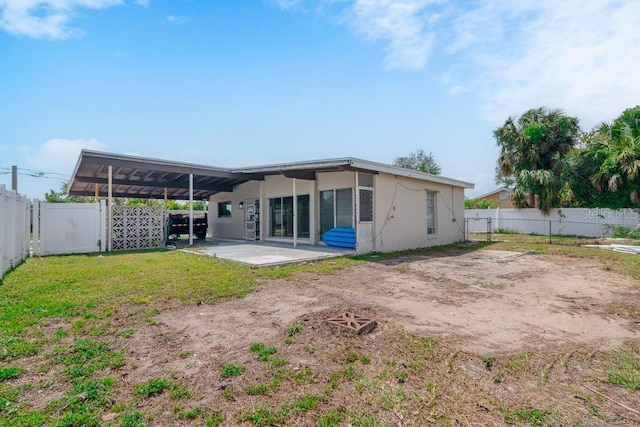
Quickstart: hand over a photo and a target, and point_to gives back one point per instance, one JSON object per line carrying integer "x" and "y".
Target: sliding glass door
{"x": 281, "y": 216}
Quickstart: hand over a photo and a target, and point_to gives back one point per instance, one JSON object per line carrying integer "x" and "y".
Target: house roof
{"x": 499, "y": 190}
{"x": 134, "y": 176}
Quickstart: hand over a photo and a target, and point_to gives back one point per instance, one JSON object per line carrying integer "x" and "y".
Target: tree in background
{"x": 533, "y": 156}
{"x": 418, "y": 161}
{"x": 613, "y": 156}
{"x": 479, "y": 204}
{"x": 62, "y": 196}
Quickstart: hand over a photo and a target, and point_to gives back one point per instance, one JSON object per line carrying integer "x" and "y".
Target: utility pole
{"x": 14, "y": 178}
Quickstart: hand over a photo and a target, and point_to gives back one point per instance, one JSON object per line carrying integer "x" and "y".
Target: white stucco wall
{"x": 400, "y": 218}
{"x": 232, "y": 227}
{"x": 400, "y": 210}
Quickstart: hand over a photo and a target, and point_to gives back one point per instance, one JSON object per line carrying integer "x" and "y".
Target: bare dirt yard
{"x": 483, "y": 337}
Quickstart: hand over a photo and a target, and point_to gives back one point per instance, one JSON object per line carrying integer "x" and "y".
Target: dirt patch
{"x": 484, "y": 302}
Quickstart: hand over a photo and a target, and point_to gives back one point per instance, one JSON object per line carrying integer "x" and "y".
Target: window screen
{"x": 366, "y": 205}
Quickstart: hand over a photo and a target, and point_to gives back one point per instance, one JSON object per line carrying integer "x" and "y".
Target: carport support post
{"x": 295, "y": 215}
{"x": 110, "y": 210}
{"x": 190, "y": 209}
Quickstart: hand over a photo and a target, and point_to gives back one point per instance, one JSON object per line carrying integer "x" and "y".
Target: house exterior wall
{"x": 400, "y": 210}
{"x": 232, "y": 227}
{"x": 400, "y": 218}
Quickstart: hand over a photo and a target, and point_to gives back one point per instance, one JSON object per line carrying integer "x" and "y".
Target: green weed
{"x": 214, "y": 419}
{"x": 294, "y": 330}
{"x": 9, "y": 372}
{"x": 533, "y": 416}
{"x": 331, "y": 419}
{"x": 263, "y": 415}
{"x": 152, "y": 387}
{"x": 179, "y": 390}
{"x": 132, "y": 418}
{"x": 189, "y": 414}
{"x": 354, "y": 357}
{"x": 262, "y": 351}
{"x": 258, "y": 389}
{"x": 302, "y": 376}
{"x": 305, "y": 402}
{"x": 626, "y": 372}
{"x": 231, "y": 370}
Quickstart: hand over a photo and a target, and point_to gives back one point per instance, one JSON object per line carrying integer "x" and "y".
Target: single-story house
{"x": 499, "y": 197}
{"x": 384, "y": 208}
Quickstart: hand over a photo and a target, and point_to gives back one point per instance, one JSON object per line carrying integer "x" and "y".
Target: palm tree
{"x": 533, "y": 152}
{"x": 617, "y": 146}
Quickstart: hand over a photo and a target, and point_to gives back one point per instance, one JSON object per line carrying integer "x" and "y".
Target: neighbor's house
{"x": 499, "y": 197}
{"x": 387, "y": 208}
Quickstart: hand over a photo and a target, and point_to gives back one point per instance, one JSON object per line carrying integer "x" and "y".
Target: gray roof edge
{"x": 146, "y": 160}
{"x": 356, "y": 163}
{"x": 498, "y": 190}
{"x": 410, "y": 173}
{"x": 276, "y": 168}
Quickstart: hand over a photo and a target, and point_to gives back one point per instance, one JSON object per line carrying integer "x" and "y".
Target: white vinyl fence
{"x": 69, "y": 228}
{"x": 567, "y": 221}
{"x": 14, "y": 229}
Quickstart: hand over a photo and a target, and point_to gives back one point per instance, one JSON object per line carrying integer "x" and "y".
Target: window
{"x": 336, "y": 209}
{"x": 366, "y": 205}
{"x": 504, "y": 195}
{"x": 281, "y": 215}
{"x": 431, "y": 214}
{"x": 224, "y": 209}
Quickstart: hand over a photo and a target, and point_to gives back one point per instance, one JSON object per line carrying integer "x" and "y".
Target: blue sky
{"x": 250, "y": 82}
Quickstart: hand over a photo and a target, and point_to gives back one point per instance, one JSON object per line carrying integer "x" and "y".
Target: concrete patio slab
{"x": 268, "y": 254}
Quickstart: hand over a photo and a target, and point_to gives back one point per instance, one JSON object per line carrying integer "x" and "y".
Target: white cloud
{"x": 48, "y": 19}
{"x": 406, "y": 26}
{"x": 580, "y": 56}
{"x": 176, "y": 20}
{"x": 59, "y": 154}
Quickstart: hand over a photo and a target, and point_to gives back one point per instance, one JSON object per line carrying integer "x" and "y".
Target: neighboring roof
{"x": 499, "y": 190}
{"x": 143, "y": 177}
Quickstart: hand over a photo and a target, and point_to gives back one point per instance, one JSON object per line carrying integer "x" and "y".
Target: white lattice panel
{"x": 138, "y": 227}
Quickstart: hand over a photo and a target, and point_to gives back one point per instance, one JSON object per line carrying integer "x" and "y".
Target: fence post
{"x": 2, "y": 229}
{"x": 549, "y": 231}
{"x": 103, "y": 225}
{"x": 36, "y": 228}
{"x": 488, "y": 229}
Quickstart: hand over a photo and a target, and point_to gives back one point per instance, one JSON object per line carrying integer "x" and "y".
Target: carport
{"x": 110, "y": 175}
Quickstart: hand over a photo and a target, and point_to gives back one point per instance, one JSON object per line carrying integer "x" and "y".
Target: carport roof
{"x": 134, "y": 176}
